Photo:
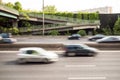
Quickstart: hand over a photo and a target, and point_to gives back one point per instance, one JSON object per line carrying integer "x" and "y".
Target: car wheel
{"x": 90, "y": 54}
{"x": 45, "y": 60}
{"x": 22, "y": 60}
{"x": 71, "y": 54}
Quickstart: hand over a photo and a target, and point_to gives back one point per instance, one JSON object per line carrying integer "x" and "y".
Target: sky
{"x": 69, "y": 5}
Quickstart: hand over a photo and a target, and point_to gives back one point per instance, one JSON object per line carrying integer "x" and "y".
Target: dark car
{"x": 81, "y": 49}
{"x": 109, "y": 39}
{"x": 74, "y": 36}
{"x": 96, "y": 37}
{"x": 6, "y": 35}
{"x": 8, "y": 40}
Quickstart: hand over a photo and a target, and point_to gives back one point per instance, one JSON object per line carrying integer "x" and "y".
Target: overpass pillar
{"x": 15, "y": 23}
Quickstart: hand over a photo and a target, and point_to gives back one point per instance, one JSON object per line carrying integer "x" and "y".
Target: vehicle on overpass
{"x": 34, "y": 54}
{"x": 81, "y": 49}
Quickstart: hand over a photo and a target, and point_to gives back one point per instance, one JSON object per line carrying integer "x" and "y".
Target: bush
{"x": 54, "y": 33}
{"x": 82, "y": 32}
{"x": 106, "y": 31}
{"x": 67, "y": 33}
{"x": 15, "y": 30}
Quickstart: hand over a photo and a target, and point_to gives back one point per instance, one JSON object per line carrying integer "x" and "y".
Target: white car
{"x": 34, "y": 54}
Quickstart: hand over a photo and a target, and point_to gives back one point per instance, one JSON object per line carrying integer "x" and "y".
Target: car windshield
{"x": 99, "y": 35}
{"x": 31, "y": 52}
{"x": 75, "y": 35}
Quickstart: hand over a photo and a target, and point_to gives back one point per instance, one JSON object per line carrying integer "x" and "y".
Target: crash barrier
{"x": 17, "y": 46}
{"x": 58, "y": 46}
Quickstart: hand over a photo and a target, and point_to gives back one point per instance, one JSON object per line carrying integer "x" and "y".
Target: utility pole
{"x": 43, "y": 18}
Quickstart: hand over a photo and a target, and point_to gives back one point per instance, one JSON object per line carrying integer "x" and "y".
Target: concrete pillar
{"x": 15, "y": 23}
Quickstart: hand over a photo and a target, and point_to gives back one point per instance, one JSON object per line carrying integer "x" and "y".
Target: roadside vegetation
{"x": 82, "y": 32}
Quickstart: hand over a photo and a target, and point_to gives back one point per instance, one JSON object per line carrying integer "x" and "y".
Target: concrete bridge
{"x": 8, "y": 12}
{"x": 57, "y": 22}
{"x": 60, "y": 28}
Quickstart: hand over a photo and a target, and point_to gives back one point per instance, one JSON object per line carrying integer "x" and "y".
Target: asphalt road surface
{"x": 50, "y": 39}
{"x": 104, "y": 66}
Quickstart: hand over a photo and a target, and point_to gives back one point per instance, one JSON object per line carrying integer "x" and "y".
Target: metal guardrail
{"x": 48, "y": 26}
{"x": 7, "y": 9}
{"x": 39, "y": 27}
{"x": 68, "y": 19}
{"x": 71, "y": 22}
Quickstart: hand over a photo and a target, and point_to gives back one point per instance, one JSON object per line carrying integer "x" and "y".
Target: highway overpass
{"x": 57, "y": 22}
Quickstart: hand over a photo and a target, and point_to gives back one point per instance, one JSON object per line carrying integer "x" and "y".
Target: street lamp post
{"x": 43, "y": 18}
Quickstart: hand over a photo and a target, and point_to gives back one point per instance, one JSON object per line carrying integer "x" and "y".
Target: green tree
{"x": 79, "y": 15}
{"x": 9, "y": 4}
{"x": 25, "y": 24}
{"x": 85, "y": 16}
{"x": 18, "y": 6}
{"x": 15, "y": 30}
{"x": 106, "y": 31}
{"x": 82, "y": 32}
{"x": 117, "y": 27}
{"x": 50, "y": 9}
{"x": 54, "y": 33}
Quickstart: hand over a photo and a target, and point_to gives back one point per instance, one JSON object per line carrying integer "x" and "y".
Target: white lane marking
{"x": 86, "y": 78}
{"x": 80, "y": 65}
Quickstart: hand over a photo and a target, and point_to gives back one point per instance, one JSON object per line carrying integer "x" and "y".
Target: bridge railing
{"x": 49, "y": 26}
{"x": 68, "y": 19}
{"x": 5, "y": 8}
{"x": 39, "y": 27}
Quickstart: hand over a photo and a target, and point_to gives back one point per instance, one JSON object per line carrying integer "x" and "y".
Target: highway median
{"x": 57, "y": 46}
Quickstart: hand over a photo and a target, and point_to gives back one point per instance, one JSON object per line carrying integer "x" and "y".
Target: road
{"x": 50, "y": 39}
{"x": 104, "y": 66}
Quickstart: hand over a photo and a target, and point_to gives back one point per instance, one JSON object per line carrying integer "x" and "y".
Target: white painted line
{"x": 80, "y": 65}
{"x": 86, "y": 78}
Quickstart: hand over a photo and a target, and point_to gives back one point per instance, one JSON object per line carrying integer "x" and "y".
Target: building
{"x": 101, "y": 10}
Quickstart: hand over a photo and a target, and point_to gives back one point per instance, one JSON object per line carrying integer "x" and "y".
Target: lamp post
{"x": 43, "y": 18}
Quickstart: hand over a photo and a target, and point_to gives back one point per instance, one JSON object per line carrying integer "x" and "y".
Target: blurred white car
{"x": 34, "y": 54}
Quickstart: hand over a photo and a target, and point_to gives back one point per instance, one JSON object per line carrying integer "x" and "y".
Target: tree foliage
{"x": 18, "y": 6}
{"x": 54, "y": 33}
{"x": 82, "y": 32}
{"x": 117, "y": 27}
{"x": 106, "y": 31}
{"x": 9, "y": 4}
{"x": 50, "y": 9}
